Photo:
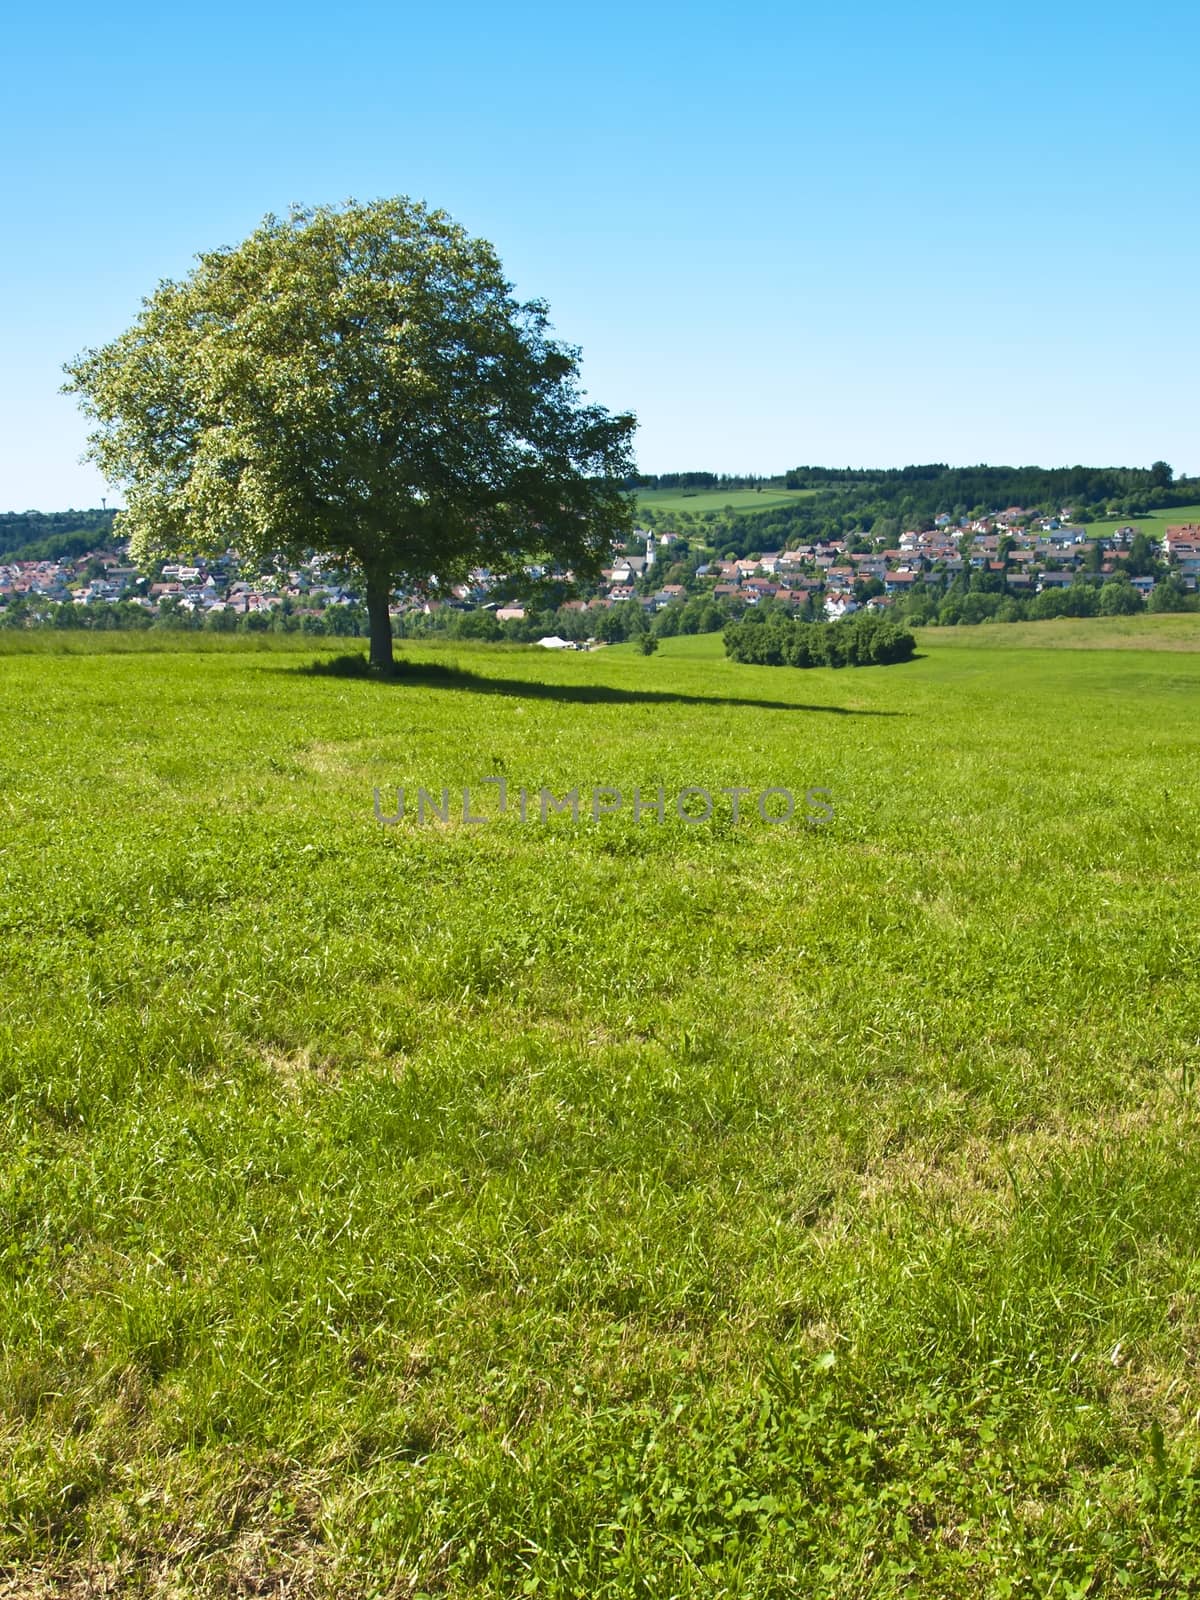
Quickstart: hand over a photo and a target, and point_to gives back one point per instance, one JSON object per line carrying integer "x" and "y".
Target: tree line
{"x": 105, "y": 616}
{"x": 928, "y": 605}
{"x": 699, "y": 480}
{"x": 998, "y": 486}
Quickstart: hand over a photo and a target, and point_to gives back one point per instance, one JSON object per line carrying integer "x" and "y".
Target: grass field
{"x": 1156, "y": 525}
{"x": 718, "y": 500}
{"x": 613, "y": 1209}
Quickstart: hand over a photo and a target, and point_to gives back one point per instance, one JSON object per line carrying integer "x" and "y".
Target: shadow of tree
{"x": 437, "y": 676}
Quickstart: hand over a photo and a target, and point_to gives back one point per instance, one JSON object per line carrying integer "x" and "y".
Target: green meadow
{"x": 698, "y": 501}
{"x": 1153, "y": 525}
{"x": 612, "y": 1208}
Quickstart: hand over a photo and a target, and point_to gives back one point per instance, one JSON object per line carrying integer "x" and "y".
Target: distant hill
{"x": 53, "y": 535}
{"x": 813, "y": 503}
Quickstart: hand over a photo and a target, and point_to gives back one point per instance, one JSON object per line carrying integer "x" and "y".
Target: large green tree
{"x": 358, "y": 380}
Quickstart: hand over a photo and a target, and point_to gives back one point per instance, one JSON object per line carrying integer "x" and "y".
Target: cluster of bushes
{"x": 864, "y": 640}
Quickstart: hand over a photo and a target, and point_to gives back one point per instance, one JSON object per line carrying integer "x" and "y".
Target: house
{"x": 869, "y": 566}
{"x": 629, "y": 567}
{"x": 899, "y": 582}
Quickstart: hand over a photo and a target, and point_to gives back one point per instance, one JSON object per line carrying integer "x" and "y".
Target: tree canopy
{"x": 358, "y": 380}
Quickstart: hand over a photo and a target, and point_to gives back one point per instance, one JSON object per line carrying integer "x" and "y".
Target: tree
{"x": 1140, "y": 561}
{"x": 1118, "y": 598}
{"x": 477, "y": 625}
{"x": 1168, "y": 595}
{"x": 358, "y": 381}
{"x": 610, "y": 626}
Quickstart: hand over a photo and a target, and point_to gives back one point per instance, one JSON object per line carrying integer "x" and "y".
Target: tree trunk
{"x": 379, "y": 591}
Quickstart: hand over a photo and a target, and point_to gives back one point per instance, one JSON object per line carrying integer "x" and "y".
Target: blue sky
{"x": 781, "y": 234}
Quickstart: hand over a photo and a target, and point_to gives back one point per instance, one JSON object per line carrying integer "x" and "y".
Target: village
{"x": 1021, "y": 554}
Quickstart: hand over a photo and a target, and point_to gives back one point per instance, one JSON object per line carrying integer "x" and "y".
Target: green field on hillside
{"x": 698, "y": 501}
{"x": 600, "y": 1208}
{"x": 1153, "y": 526}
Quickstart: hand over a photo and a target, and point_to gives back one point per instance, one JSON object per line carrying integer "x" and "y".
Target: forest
{"x": 53, "y": 535}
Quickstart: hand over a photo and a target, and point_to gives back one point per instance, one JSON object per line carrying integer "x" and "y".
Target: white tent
{"x": 553, "y": 642}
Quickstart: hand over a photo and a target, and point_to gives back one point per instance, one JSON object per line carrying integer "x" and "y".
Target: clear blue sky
{"x": 781, "y": 234}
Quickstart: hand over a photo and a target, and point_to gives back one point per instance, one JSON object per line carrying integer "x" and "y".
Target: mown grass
{"x": 699, "y": 501}
{"x": 614, "y": 1209}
